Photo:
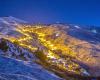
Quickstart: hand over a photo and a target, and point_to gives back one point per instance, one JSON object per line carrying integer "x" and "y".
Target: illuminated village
{"x": 53, "y": 51}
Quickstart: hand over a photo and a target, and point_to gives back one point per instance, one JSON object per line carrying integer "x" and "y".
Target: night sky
{"x": 84, "y": 12}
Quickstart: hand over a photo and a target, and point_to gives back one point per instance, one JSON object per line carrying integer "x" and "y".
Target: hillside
{"x": 69, "y": 51}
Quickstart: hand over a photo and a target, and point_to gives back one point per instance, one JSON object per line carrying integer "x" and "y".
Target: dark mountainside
{"x": 48, "y": 52}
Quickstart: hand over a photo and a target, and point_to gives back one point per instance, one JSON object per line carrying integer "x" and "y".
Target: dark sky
{"x": 85, "y": 12}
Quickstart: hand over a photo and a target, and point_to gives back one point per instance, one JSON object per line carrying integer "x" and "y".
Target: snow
{"x": 11, "y": 69}
{"x": 86, "y": 73}
{"x": 18, "y": 52}
{"x": 5, "y": 22}
{"x": 76, "y": 26}
{"x": 57, "y": 34}
{"x": 94, "y": 31}
{"x": 11, "y": 21}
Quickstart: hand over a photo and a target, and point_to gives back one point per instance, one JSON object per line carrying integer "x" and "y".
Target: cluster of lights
{"x": 54, "y": 58}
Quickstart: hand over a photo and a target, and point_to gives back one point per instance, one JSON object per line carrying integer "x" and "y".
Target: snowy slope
{"x": 11, "y": 20}
{"x": 8, "y": 25}
{"x": 18, "y": 64}
{"x": 11, "y": 69}
{"x": 12, "y": 50}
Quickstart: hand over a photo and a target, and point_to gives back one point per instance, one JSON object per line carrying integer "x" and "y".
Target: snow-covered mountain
{"x": 11, "y": 20}
{"x": 13, "y": 69}
{"x": 8, "y": 25}
{"x": 65, "y": 49}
